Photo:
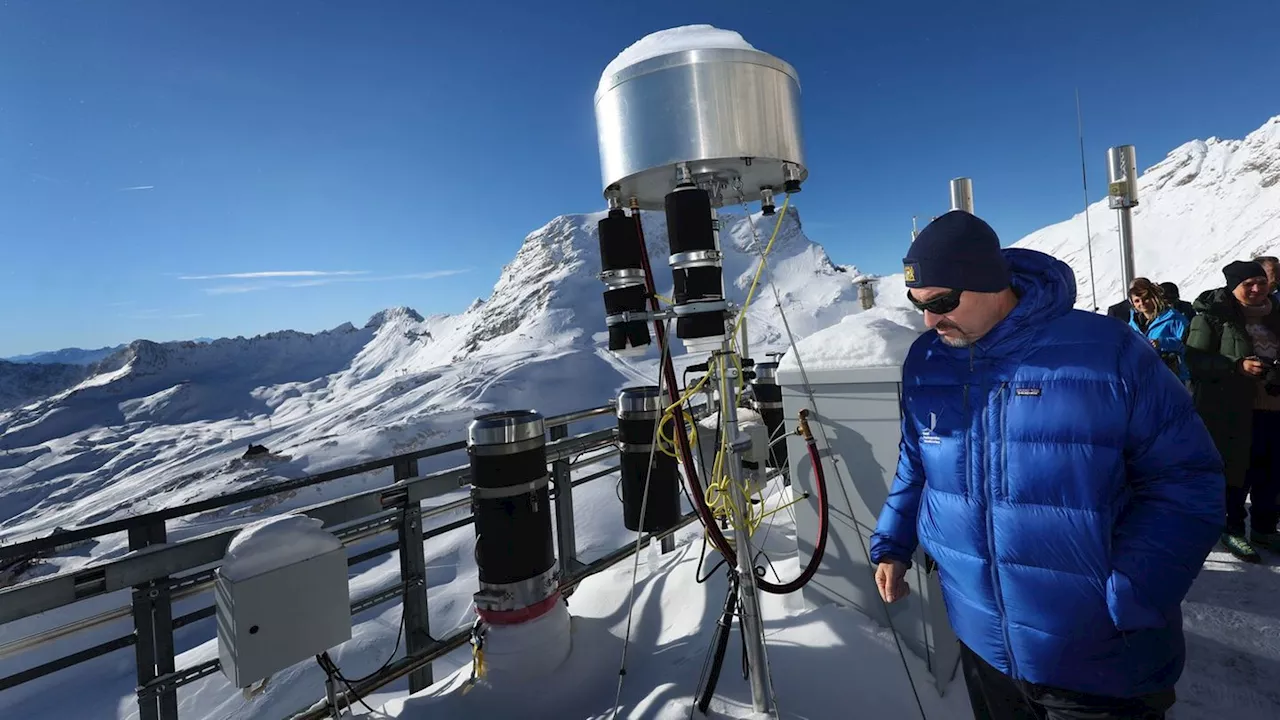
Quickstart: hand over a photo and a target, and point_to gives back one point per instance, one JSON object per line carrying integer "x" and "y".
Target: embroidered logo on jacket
{"x": 1027, "y": 392}
{"x": 929, "y": 435}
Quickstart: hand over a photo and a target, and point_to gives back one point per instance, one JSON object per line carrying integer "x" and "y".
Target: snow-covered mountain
{"x": 161, "y": 423}
{"x": 23, "y": 382}
{"x": 67, "y": 356}
{"x": 1208, "y": 203}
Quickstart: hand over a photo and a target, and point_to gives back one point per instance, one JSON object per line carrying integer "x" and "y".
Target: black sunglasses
{"x": 940, "y": 305}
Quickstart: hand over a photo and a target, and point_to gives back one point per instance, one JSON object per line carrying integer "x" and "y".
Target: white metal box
{"x": 857, "y": 423}
{"x": 282, "y": 604}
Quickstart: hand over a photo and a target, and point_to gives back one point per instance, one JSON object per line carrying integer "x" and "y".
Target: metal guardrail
{"x": 159, "y": 573}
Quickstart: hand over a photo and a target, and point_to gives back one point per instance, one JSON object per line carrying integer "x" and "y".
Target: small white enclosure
{"x": 857, "y": 425}
{"x": 750, "y": 424}
{"x": 282, "y": 597}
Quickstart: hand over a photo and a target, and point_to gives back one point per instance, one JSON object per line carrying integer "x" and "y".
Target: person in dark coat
{"x": 1120, "y": 311}
{"x": 1171, "y": 296}
{"x": 1058, "y": 475}
{"x": 1231, "y": 350}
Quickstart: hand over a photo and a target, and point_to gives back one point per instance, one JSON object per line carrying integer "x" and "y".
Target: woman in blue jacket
{"x": 1157, "y": 321}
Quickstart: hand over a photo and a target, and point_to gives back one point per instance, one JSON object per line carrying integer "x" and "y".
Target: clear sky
{"x": 397, "y": 153}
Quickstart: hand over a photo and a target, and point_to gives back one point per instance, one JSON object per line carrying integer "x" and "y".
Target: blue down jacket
{"x": 1167, "y": 329}
{"x": 1060, "y": 477}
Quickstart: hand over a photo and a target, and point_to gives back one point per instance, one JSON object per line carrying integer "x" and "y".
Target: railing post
{"x": 413, "y": 572}
{"x": 153, "y": 625}
{"x": 562, "y": 481}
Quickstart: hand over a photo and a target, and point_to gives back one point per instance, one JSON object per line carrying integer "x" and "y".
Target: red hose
{"x": 820, "y": 484}
{"x": 697, "y": 494}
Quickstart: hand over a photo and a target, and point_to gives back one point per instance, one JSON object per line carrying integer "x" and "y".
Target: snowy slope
{"x": 160, "y": 424}
{"x": 21, "y": 383}
{"x": 1208, "y": 203}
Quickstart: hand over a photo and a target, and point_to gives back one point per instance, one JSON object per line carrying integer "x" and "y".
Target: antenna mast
{"x": 1084, "y": 178}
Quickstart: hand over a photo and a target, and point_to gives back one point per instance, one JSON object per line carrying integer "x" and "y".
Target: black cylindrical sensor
{"x": 630, "y": 334}
{"x": 690, "y": 223}
{"x": 620, "y": 249}
{"x": 697, "y": 278}
{"x": 639, "y": 410}
{"x": 510, "y": 498}
{"x": 768, "y": 396}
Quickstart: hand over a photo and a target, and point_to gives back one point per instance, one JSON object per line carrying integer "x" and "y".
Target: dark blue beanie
{"x": 957, "y": 251}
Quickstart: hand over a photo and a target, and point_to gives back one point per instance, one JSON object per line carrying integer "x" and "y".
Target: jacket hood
{"x": 1214, "y": 301}
{"x": 1046, "y": 289}
{"x": 1046, "y": 286}
{"x": 1170, "y": 314}
{"x": 1221, "y": 303}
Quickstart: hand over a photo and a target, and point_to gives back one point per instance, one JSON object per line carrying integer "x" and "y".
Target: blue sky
{"x": 400, "y": 151}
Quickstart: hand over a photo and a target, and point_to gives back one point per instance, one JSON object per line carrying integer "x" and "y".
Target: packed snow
{"x": 672, "y": 40}
{"x": 822, "y": 659}
{"x": 274, "y": 542}
{"x": 827, "y": 659}
{"x": 879, "y": 337}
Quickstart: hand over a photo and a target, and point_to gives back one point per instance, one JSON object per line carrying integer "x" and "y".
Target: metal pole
{"x": 331, "y": 693}
{"x": 962, "y": 194}
{"x": 153, "y": 626}
{"x": 1122, "y": 196}
{"x": 562, "y": 482}
{"x": 413, "y": 573}
{"x": 749, "y": 601}
{"x": 1126, "y": 249}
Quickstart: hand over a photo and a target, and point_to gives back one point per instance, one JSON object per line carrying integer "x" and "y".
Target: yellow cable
{"x": 742, "y": 315}
{"x": 780, "y": 508}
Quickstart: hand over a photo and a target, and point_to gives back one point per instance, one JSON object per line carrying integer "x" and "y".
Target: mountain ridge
{"x": 162, "y": 423}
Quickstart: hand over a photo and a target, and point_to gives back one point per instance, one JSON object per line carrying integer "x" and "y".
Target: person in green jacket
{"x": 1232, "y": 349}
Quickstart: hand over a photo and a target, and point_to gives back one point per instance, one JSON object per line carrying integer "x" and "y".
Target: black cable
{"x": 394, "y": 650}
{"x": 330, "y": 669}
{"x": 697, "y": 574}
{"x": 720, "y": 640}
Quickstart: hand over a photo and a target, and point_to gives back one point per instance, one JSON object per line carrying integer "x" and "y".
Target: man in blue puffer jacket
{"x": 1059, "y": 476}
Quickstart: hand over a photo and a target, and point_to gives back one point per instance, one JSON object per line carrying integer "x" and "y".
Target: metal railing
{"x": 158, "y": 573}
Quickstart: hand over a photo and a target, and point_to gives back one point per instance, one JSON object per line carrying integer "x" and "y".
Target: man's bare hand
{"x": 1252, "y": 366}
{"x": 891, "y": 580}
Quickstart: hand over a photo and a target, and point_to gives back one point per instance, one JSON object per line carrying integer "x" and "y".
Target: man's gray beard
{"x": 960, "y": 342}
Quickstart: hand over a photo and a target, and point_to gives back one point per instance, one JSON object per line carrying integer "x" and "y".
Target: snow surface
{"x": 824, "y": 660}
{"x": 879, "y": 337}
{"x": 528, "y": 651}
{"x": 827, "y": 659}
{"x": 274, "y": 542}
{"x": 672, "y": 40}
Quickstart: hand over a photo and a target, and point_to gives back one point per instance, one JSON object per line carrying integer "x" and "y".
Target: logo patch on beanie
{"x": 909, "y": 272}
